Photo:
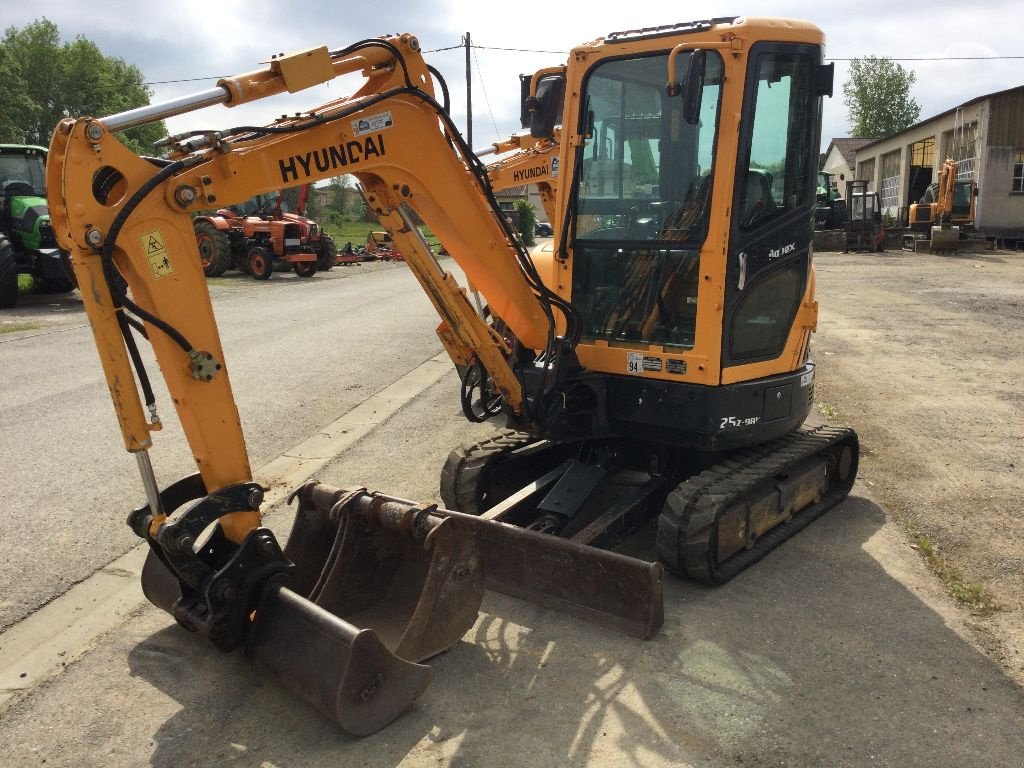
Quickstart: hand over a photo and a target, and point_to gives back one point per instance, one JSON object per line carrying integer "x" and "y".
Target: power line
{"x": 932, "y": 58}
{"x": 486, "y": 99}
{"x": 535, "y": 50}
{"x": 518, "y": 50}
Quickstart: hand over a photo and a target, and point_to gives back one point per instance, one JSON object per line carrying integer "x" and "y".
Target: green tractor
{"x": 27, "y": 244}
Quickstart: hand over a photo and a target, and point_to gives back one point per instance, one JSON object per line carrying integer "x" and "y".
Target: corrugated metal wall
{"x": 1006, "y": 126}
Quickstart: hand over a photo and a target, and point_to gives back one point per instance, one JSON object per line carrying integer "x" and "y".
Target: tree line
{"x": 43, "y": 81}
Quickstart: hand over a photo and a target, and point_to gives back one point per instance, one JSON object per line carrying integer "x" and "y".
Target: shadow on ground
{"x": 816, "y": 656}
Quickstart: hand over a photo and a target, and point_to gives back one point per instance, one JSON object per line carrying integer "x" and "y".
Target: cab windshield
{"x": 641, "y": 206}
{"x": 23, "y": 173}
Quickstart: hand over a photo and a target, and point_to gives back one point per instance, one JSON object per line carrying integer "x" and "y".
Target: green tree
{"x": 527, "y": 220}
{"x": 42, "y": 81}
{"x": 878, "y": 97}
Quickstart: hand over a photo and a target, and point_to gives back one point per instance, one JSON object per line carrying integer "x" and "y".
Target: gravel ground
{"x": 923, "y": 357}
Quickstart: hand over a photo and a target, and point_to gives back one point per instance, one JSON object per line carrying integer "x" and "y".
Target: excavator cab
{"x": 660, "y": 299}
{"x": 653, "y": 364}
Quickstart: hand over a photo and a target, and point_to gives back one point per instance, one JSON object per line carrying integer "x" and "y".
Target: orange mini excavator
{"x": 652, "y": 366}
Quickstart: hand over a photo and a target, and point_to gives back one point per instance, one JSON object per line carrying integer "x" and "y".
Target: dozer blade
{"x": 377, "y": 587}
{"x": 945, "y": 238}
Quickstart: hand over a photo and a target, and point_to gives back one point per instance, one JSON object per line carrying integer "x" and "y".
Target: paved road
{"x": 837, "y": 650}
{"x": 300, "y": 353}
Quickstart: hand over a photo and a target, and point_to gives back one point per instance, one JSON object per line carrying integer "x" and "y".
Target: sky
{"x": 199, "y": 41}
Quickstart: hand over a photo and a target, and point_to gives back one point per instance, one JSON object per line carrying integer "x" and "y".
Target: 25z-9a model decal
{"x": 731, "y": 422}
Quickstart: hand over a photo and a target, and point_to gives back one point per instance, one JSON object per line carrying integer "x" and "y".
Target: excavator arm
{"x": 394, "y": 141}
{"x": 533, "y": 161}
{"x": 127, "y": 222}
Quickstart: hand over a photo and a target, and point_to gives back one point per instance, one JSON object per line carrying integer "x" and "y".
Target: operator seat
{"x": 757, "y": 205}
{"x": 18, "y": 188}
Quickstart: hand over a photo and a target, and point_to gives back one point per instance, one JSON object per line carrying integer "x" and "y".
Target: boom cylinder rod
{"x": 239, "y": 89}
{"x": 122, "y": 121}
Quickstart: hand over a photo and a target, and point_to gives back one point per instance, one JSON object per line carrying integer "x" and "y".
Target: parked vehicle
{"x": 380, "y": 246}
{"x": 945, "y": 211}
{"x": 27, "y": 244}
{"x": 657, "y": 373}
{"x": 830, "y": 212}
{"x": 261, "y": 236}
{"x": 864, "y": 231}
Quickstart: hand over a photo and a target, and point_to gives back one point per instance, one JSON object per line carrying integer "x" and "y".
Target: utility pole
{"x": 469, "y": 96}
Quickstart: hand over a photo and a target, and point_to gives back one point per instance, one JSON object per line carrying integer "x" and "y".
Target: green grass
{"x": 827, "y": 411}
{"x": 973, "y": 596}
{"x": 15, "y": 327}
{"x": 356, "y": 231}
{"x": 25, "y": 284}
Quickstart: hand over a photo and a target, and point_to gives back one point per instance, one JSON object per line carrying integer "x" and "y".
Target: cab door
{"x": 773, "y": 206}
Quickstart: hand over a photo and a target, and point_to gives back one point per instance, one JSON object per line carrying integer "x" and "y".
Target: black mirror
{"x": 544, "y": 110}
{"x": 693, "y": 86}
{"x": 524, "y": 94}
{"x": 824, "y": 76}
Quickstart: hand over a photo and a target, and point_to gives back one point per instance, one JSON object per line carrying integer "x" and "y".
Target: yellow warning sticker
{"x": 156, "y": 254}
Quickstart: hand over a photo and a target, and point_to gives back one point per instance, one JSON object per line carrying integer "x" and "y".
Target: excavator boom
{"x": 126, "y": 221}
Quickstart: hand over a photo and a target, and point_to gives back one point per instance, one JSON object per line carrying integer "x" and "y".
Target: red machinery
{"x": 260, "y": 234}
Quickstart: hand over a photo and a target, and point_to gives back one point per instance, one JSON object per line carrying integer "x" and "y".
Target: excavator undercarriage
{"x": 717, "y": 513}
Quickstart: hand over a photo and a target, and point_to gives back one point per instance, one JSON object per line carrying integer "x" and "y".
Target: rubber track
{"x": 687, "y": 524}
{"x": 460, "y": 476}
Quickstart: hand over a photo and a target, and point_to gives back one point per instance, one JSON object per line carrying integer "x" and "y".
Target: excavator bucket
{"x": 369, "y": 586}
{"x": 399, "y": 569}
{"x": 377, "y": 587}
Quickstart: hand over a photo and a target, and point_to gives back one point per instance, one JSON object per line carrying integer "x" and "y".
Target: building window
{"x": 964, "y": 149}
{"x": 1018, "y": 171}
{"x": 889, "y": 193}
{"x": 922, "y": 153}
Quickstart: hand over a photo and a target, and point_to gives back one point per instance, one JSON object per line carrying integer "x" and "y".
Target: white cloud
{"x": 191, "y": 39}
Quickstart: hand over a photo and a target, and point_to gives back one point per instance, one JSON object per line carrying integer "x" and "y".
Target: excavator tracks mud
{"x": 751, "y": 503}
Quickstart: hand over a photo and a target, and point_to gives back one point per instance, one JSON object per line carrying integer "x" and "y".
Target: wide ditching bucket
{"x": 370, "y": 586}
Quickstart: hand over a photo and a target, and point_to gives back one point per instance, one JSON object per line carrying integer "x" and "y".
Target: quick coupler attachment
{"x": 364, "y": 590}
